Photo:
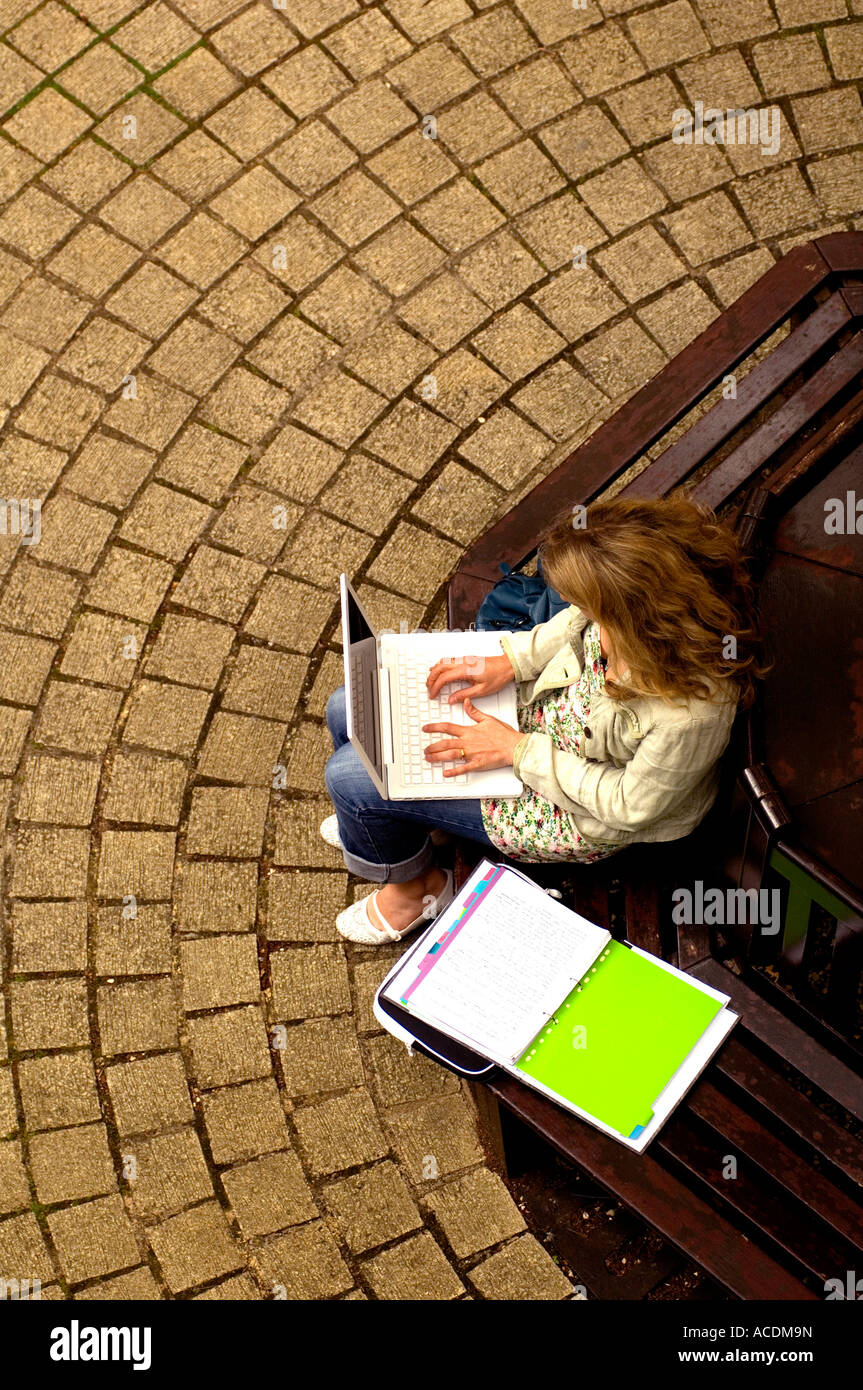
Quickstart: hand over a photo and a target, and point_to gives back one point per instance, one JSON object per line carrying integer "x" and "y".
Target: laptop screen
{"x": 364, "y": 725}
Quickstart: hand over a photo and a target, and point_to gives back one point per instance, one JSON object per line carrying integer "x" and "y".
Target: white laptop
{"x": 387, "y": 705}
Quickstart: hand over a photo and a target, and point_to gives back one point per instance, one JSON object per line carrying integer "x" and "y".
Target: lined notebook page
{"x": 511, "y": 964}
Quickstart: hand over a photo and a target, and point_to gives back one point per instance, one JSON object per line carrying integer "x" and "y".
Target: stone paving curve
{"x": 287, "y": 288}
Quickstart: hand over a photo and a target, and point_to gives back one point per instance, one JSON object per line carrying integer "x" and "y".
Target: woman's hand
{"x": 486, "y": 674}
{"x": 489, "y": 743}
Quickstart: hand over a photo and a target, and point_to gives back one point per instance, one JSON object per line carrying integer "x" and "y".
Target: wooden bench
{"x": 783, "y": 1098}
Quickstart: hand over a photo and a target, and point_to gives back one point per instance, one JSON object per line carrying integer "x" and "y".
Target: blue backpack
{"x": 518, "y": 601}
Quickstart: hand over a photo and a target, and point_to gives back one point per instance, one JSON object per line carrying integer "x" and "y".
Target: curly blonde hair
{"x": 668, "y": 582}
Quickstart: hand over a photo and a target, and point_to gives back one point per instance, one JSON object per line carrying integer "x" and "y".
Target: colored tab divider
{"x": 434, "y": 953}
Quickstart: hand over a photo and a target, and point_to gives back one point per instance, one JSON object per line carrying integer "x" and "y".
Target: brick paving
{"x": 284, "y": 288}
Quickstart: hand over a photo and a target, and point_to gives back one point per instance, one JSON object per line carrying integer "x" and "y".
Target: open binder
{"x": 507, "y": 977}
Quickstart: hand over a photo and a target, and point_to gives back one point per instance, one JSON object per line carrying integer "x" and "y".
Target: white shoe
{"x": 330, "y": 831}
{"x": 356, "y": 924}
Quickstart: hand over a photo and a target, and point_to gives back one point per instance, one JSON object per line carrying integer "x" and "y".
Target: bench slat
{"x": 780, "y": 1163}
{"x": 785, "y": 1039}
{"x": 828, "y": 438}
{"x": 818, "y": 391}
{"x": 591, "y": 899}
{"x": 465, "y": 594}
{"x": 642, "y": 915}
{"x": 772, "y": 1214}
{"x": 841, "y": 251}
{"x": 756, "y": 388}
{"x": 779, "y": 1098}
{"x": 656, "y": 1196}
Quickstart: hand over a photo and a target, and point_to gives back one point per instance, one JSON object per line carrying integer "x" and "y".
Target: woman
{"x": 625, "y": 705}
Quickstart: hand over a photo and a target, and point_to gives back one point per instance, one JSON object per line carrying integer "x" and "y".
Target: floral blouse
{"x": 528, "y": 827}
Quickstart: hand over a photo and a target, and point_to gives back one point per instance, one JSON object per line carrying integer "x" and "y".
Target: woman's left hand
{"x": 488, "y": 743}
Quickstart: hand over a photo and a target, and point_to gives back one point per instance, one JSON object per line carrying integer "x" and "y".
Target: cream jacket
{"x": 648, "y": 769}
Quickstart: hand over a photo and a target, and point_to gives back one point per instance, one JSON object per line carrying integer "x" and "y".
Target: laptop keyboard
{"x": 357, "y": 693}
{"x": 416, "y": 709}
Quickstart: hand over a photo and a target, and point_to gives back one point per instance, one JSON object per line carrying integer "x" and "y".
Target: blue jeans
{"x": 387, "y": 841}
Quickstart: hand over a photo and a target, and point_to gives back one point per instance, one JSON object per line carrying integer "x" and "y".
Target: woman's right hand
{"x": 486, "y": 674}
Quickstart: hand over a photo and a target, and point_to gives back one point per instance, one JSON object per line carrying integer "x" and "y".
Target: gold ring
{"x": 462, "y": 754}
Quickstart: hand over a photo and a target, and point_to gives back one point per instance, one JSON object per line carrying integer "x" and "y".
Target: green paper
{"x": 639, "y": 1024}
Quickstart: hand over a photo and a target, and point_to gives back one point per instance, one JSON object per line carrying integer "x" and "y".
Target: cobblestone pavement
{"x": 286, "y": 288}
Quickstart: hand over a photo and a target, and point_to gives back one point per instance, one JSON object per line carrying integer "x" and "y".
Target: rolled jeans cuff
{"x": 400, "y": 872}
